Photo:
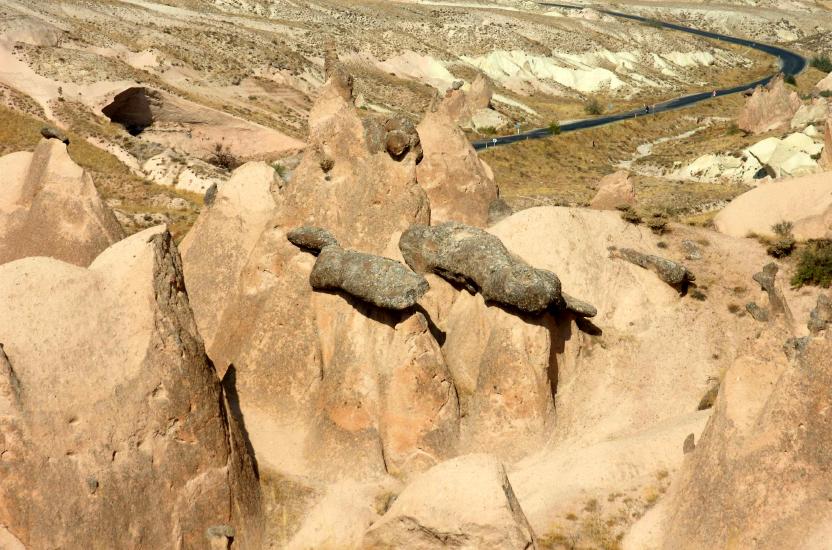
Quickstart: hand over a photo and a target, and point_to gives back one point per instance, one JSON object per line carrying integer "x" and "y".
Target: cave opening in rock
{"x": 131, "y": 109}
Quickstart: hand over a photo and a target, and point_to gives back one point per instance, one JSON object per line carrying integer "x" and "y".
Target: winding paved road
{"x": 791, "y": 63}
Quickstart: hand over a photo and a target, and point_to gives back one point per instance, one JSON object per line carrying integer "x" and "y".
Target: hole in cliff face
{"x": 131, "y": 109}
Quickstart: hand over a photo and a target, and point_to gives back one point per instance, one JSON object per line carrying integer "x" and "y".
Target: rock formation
{"x": 50, "y": 207}
{"x": 672, "y": 273}
{"x": 756, "y": 211}
{"x": 459, "y": 185}
{"x": 826, "y": 157}
{"x": 825, "y": 85}
{"x": 614, "y": 190}
{"x": 770, "y": 108}
{"x": 466, "y": 502}
{"x": 768, "y": 432}
{"x": 383, "y": 282}
{"x": 114, "y": 425}
{"x": 481, "y": 263}
{"x": 820, "y": 317}
{"x": 816, "y": 111}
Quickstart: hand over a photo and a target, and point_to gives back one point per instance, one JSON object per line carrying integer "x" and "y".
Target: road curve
{"x": 791, "y": 63}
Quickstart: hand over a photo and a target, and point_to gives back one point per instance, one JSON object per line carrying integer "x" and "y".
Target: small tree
{"x": 822, "y": 63}
{"x": 784, "y": 243}
{"x": 815, "y": 265}
{"x": 554, "y": 128}
{"x": 593, "y": 107}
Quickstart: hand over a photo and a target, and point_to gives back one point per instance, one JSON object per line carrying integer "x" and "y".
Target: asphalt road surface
{"x": 790, "y": 64}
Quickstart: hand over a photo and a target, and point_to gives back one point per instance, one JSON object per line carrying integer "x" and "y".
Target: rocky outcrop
{"x": 614, "y": 190}
{"x": 766, "y": 432}
{"x": 50, "y": 132}
{"x": 460, "y": 186}
{"x": 825, "y": 85}
{"x": 111, "y": 410}
{"x": 770, "y": 108}
{"x": 807, "y": 114}
{"x": 826, "y": 157}
{"x": 50, "y": 207}
{"x": 466, "y": 502}
{"x": 672, "y": 273}
{"x": 756, "y": 211}
{"x": 481, "y": 263}
{"x": 820, "y": 318}
{"x": 383, "y": 282}
{"x": 311, "y": 239}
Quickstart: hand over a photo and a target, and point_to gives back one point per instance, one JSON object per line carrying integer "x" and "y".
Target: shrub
{"x": 223, "y": 158}
{"x": 488, "y": 130}
{"x": 822, "y": 63}
{"x": 628, "y": 214}
{"x": 789, "y": 79}
{"x": 826, "y": 93}
{"x": 593, "y": 107}
{"x": 815, "y": 265}
{"x": 280, "y": 169}
{"x": 658, "y": 224}
{"x": 785, "y": 243}
{"x": 554, "y": 128}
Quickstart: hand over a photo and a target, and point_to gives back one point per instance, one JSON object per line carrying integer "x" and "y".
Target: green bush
{"x": 593, "y": 107}
{"x": 554, "y": 128}
{"x": 822, "y": 63}
{"x": 789, "y": 79}
{"x": 826, "y": 93}
{"x": 815, "y": 265}
{"x": 785, "y": 243}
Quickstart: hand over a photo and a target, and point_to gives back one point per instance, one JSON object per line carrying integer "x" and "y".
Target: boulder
{"x": 614, "y": 190}
{"x": 466, "y": 502}
{"x": 480, "y": 262}
{"x": 759, "y": 475}
{"x": 770, "y": 108}
{"x": 825, "y": 85}
{"x": 311, "y": 239}
{"x": 111, "y": 409}
{"x": 820, "y": 317}
{"x": 460, "y": 186}
{"x": 672, "y": 273}
{"x": 816, "y": 111}
{"x": 50, "y": 132}
{"x": 50, "y": 207}
{"x": 383, "y": 282}
{"x": 806, "y": 202}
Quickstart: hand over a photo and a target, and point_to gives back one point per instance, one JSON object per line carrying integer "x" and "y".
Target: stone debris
{"x": 672, "y": 273}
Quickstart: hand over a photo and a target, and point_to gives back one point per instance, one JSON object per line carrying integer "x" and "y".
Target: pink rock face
{"x": 113, "y": 426}
{"x": 460, "y": 186}
{"x": 825, "y": 85}
{"x": 50, "y": 207}
{"x": 826, "y": 158}
{"x": 770, "y": 108}
{"x": 614, "y": 190}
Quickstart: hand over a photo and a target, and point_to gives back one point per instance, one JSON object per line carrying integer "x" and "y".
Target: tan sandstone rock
{"x": 113, "y": 423}
{"x": 614, "y": 190}
{"x": 826, "y": 157}
{"x": 460, "y": 186}
{"x": 770, "y": 108}
{"x": 825, "y": 85}
{"x": 806, "y": 202}
{"x": 466, "y": 502}
{"x": 50, "y": 207}
{"x": 759, "y": 477}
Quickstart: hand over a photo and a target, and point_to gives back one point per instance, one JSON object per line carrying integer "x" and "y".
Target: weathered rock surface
{"x": 614, "y": 190}
{"x": 50, "y": 207}
{"x": 825, "y": 85}
{"x": 826, "y": 157}
{"x": 311, "y": 239}
{"x": 466, "y": 502}
{"x": 50, "y": 132}
{"x": 460, "y": 186}
{"x": 766, "y": 433}
{"x": 480, "y": 262}
{"x": 770, "y": 108}
{"x": 672, "y": 273}
{"x": 756, "y": 211}
{"x": 111, "y": 410}
{"x": 379, "y": 281}
{"x": 820, "y": 317}
{"x": 815, "y": 111}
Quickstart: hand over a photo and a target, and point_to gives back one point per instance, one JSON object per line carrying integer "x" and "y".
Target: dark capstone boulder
{"x": 50, "y": 132}
{"x": 672, "y": 273}
{"x": 578, "y": 307}
{"x": 767, "y": 279}
{"x": 481, "y": 263}
{"x": 757, "y": 313}
{"x": 311, "y": 239}
{"x": 379, "y": 281}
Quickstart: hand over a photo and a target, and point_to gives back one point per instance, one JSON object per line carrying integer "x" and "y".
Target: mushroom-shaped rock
{"x": 672, "y": 273}
{"x": 767, "y": 279}
{"x": 114, "y": 426}
{"x": 311, "y": 239}
{"x": 480, "y": 261}
{"x": 50, "y": 207}
{"x": 466, "y": 502}
{"x": 380, "y": 281}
